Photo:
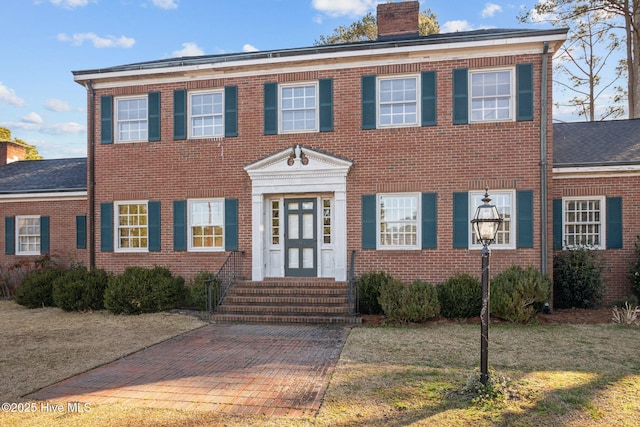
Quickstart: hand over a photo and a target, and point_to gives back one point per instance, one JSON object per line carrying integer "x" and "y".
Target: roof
{"x": 44, "y": 176}
{"x": 615, "y": 142}
{"x": 487, "y": 35}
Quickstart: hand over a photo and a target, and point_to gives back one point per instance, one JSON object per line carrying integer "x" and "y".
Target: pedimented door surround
{"x": 293, "y": 173}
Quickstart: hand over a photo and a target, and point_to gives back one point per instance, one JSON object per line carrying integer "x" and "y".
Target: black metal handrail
{"x": 219, "y": 284}
{"x": 353, "y": 288}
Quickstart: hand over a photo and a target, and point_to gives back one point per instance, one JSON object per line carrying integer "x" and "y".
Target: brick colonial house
{"x": 310, "y": 161}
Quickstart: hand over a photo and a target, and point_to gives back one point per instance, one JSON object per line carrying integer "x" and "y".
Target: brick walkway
{"x": 242, "y": 369}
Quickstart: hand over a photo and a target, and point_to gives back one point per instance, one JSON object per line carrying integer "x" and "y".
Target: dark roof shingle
{"x": 42, "y": 176}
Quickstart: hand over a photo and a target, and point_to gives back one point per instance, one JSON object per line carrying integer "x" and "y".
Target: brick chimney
{"x": 398, "y": 20}
{"x": 11, "y": 152}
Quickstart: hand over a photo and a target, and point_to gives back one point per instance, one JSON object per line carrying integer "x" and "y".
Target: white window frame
{"x": 418, "y": 243}
{"x": 379, "y": 101}
{"x": 281, "y": 88}
{"x": 512, "y": 94}
{"x": 18, "y": 235}
{"x": 117, "y": 121}
{"x": 602, "y": 244}
{"x": 511, "y": 220}
{"x": 117, "y": 227}
{"x": 191, "y": 116}
{"x": 190, "y": 225}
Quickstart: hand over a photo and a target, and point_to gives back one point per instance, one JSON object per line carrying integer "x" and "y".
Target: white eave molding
{"x": 595, "y": 171}
{"x": 43, "y": 197}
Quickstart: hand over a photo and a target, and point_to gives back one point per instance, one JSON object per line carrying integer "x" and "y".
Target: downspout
{"x": 544, "y": 204}
{"x": 91, "y": 177}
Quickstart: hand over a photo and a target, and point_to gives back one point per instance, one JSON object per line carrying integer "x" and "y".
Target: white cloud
{"x": 165, "y": 4}
{"x": 455, "y": 26}
{"x": 57, "y": 105}
{"x": 98, "y": 42}
{"x": 344, "y": 7}
{"x": 69, "y": 4}
{"x": 249, "y": 48}
{"x": 490, "y": 9}
{"x": 188, "y": 49}
{"x": 32, "y": 118}
{"x": 51, "y": 129}
{"x": 538, "y": 18}
{"x": 9, "y": 95}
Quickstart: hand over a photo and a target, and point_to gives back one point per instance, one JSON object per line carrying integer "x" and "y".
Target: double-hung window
{"x": 132, "y": 119}
{"x": 206, "y": 225}
{"x": 583, "y": 222}
{"x": 505, "y": 203}
{"x": 206, "y": 114}
{"x": 398, "y": 218}
{"x": 398, "y": 101}
{"x": 299, "y": 108}
{"x": 28, "y": 235}
{"x": 132, "y": 226}
{"x": 492, "y": 95}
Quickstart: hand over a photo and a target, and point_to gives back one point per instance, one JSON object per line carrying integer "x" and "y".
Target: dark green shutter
{"x": 524, "y": 220}
{"x": 154, "y": 116}
{"x": 428, "y": 85}
{"x": 557, "y": 224}
{"x": 179, "y": 114}
{"x": 460, "y": 96}
{"x": 10, "y": 235}
{"x": 230, "y": 111}
{"x": 271, "y": 108}
{"x": 461, "y": 220}
{"x": 153, "y": 209}
{"x": 179, "y": 225}
{"x": 106, "y": 227}
{"x": 614, "y": 222}
{"x": 231, "y": 224}
{"x": 106, "y": 119}
{"x": 81, "y": 232}
{"x": 369, "y": 210}
{"x": 368, "y": 102}
{"x": 429, "y": 220}
{"x": 524, "y": 99}
{"x": 326, "y": 105}
{"x": 44, "y": 234}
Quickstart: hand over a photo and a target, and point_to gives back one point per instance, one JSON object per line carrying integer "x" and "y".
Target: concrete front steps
{"x": 287, "y": 300}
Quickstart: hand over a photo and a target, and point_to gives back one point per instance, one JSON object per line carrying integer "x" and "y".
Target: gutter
{"x": 544, "y": 193}
{"x": 91, "y": 176}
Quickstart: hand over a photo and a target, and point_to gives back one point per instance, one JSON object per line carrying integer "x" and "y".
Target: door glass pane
{"x": 294, "y": 206}
{"x": 294, "y": 262}
{"x": 294, "y": 232}
{"x": 307, "y": 226}
{"x": 307, "y": 258}
{"x": 307, "y": 205}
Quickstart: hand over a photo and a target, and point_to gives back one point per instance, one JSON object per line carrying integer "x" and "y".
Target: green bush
{"x": 460, "y": 297}
{"x": 635, "y": 269}
{"x": 79, "y": 289}
{"x": 369, "y": 285}
{"x": 36, "y": 290}
{"x": 141, "y": 290}
{"x": 415, "y": 302}
{"x": 517, "y": 294}
{"x": 197, "y": 290}
{"x": 577, "y": 278}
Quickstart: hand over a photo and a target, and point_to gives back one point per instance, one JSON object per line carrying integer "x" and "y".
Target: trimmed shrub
{"x": 197, "y": 291}
{"x": 577, "y": 278}
{"x": 36, "y": 290}
{"x": 460, "y": 296}
{"x": 517, "y": 294}
{"x": 634, "y": 275}
{"x": 369, "y": 285}
{"x": 141, "y": 290}
{"x": 415, "y": 302}
{"x": 79, "y": 289}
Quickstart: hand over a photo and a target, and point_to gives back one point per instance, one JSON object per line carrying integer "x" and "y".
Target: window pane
{"x": 491, "y": 95}
{"x": 398, "y": 101}
{"x": 398, "y": 220}
{"x": 298, "y": 108}
{"x": 582, "y": 223}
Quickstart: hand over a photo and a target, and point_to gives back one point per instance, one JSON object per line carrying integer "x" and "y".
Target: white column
{"x": 257, "y": 239}
{"x": 340, "y": 233}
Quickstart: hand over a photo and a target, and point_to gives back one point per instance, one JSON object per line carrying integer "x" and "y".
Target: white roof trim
{"x": 43, "y": 197}
{"x": 595, "y": 171}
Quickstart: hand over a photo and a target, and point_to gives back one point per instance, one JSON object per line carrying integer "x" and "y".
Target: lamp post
{"x": 485, "y": 223}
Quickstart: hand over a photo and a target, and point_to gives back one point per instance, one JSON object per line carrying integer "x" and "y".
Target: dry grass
{"x": 570, "y": 375}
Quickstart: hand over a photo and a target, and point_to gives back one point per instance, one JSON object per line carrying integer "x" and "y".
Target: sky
{"x": 43, "y": 41}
